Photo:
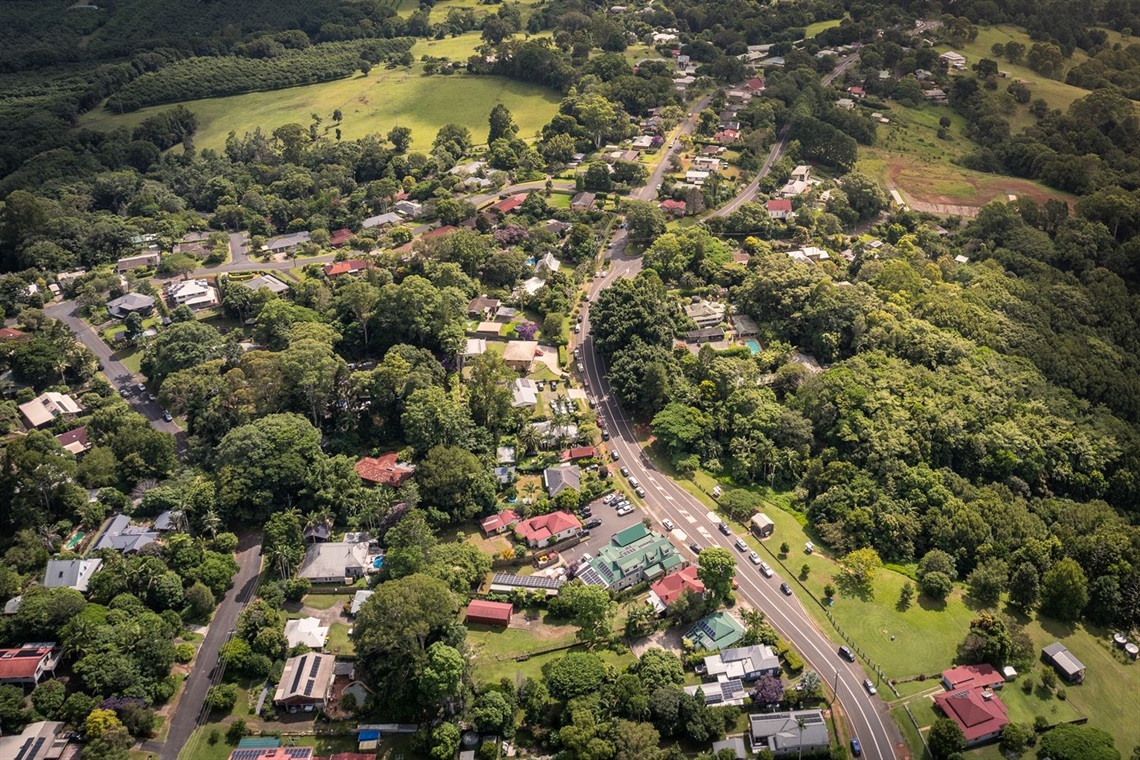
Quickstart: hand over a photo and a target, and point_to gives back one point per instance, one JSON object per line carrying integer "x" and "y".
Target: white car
{"x": 766, "y": 569}
{"x": 667, "y": 523}
{"x": 754, "y": 558}
{"x": 627, "y": 509}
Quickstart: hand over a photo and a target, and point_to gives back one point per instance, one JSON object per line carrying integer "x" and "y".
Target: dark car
{"x": 723, "y": 529}
{"x": 847, "y": 654}
{"x": 786, "y": 588}
{"x": 856, "y": 748}
{"x": 595, "y": 523}
{"x": 696, "y": 548}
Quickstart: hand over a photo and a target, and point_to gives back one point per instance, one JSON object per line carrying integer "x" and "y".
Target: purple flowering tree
{"x": 768, "y": 691}
{"x": 511, "y": 234}
{"x": 526, "y": 330}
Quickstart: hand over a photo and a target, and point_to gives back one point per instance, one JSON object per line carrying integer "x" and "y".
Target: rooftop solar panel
{"x": 296, "y": 679}
{"x": 309, "y": 688}
{"x": 526, "y": 581}
{"x": 316, "y": 666}
{"x": 302, "y": 752}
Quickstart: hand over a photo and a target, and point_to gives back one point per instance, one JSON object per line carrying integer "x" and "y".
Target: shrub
{"x": 237, "y": 731}
{"x": 793, "y": 661}
{"x": 222, "y": 698}
{"x": 183, "y": 653}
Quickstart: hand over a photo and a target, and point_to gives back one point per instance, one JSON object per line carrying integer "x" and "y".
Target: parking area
{"x": 600, "y": 536}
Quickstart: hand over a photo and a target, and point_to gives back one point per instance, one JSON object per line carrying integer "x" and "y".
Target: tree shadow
{"x": 973, "y": 604}
{"x": 849, "y": 586}
{"x": 931, "y": 605}
{"x": 1058, "y": 628}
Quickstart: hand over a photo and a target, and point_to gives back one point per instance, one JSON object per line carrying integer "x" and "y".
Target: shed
{"x": 762, "y": 525}
{"x": 489, "y": 613}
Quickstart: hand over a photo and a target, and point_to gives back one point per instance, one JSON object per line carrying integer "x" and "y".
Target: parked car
{"x": 786, "y": 588}
{"x": 856, "y": 747}
{"x": 577, "y": 352}
{"x": 695, "y": 548}
{"x": 741, "y": 544}
{"x": 584, "y": 533}
{"x": 869, "y": 686}
{"x": 624, "y": 471}
{"x": 609, "y": 498}
{"x": 595, "y": 523}
{"x": 639, "y": 491}
{"x": 614, "y": 455}
{"x": 766, "y": 569}
{"x": 667, "y": 523}
{"x": 605, "y": 435}
{"x": 723, "y": 529}
{"x": 634, "y": 482}
{"x": 586, "y": 512}
{"x": 846, "y": 653}
{"x": 754, "y": 558}
{"x": 627, "y": 509}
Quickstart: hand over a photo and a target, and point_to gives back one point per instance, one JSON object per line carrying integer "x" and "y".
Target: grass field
{"x": 326, "y": 601}
{"x": 374, "y": 103}
{"x": 338, "y": 641}
{"x": 813, "y": 29}
{"x": 198, "y": 748}
{"x": 494, "y": 649}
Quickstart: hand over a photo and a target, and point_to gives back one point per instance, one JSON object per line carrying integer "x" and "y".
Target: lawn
{"x": 325, "y": 601}
{"x": 370, "y": 104}
{"x": 812, "y": 30}
{"x": 494, "y": 649}
{"x": 131, "y": 359}
{"x": 338, "y": 641}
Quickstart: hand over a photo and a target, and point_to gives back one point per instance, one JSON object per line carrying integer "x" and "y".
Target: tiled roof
{"x": 384, "y": 469}
{"x": 674, "y": 584}
{"x": 542, "y": 527}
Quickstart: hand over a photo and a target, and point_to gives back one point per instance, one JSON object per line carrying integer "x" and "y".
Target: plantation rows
{"x": 208, "y": 77}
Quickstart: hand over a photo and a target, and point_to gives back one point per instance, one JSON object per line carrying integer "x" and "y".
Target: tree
{"x": 862, "y": 564}
{"x": 592, "y": 609}
{"x": 502, "y": 124}
{"x": 658, "y": 667}
{"x": 1069, "y": 742}
{"x": 945, "y": 739}
{"x": 284, "y": 543}
{"x": 222, "y": 697}
{"x": 13, "y": 716}
{"x": 443, "y": 674}
{"x": 906, "y": 596}
{"x": 48, "y": 698}
{"x": 1024, "y": 586}
{"x": 493, "y": 714}
{"x": 401, "y": 138}
{"x": 989, "y": 640}
{"x": 444, "y": 741}
{"x": 987, "y": 581}
{"x": 454, "y": 480}
{"x": 266, "y": 464}
{"x": 360, "y": 298}
{"x": 574, "y": 675}
{"x": 1064, "y": 590}
{"x": 768, "y": 690}
{"x": 1014, "y": 738}
{"x": 716, "y": 571}
{"x": 636, "y": 741}
{"x": 936, "y": 585}
{"x": 865, "y": 196}
{"x": 645, "y": 221}
{"x": 410, "y": 543}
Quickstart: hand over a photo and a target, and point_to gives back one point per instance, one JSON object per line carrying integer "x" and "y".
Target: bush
{"x": 222, "y": 698}
{"x": 237, "y": 731}
{"x": 183, "y": 653}
{"x": 225, "y": 543}
{"x": 296, "y": 588}
{"x": 793, "y": 661}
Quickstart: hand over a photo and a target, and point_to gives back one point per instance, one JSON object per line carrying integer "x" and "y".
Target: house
{"x": 729, "y": 691}
{"x": 335, "y": 562}
{"x": 801, "y": 172}
{"x": 170, "y": 519}
{"x": 339, "y": 238}
{"x": 506, "y": 314}
{"x": 131, "y": 303}
{"x": 727, "y": 136}
{"x": 123, "y": 537}
{"x": 762, "y": 525}
{"x": 953, "y": 60}
{"x": 978, "y": 712}
{"x": 500, "y": 523}
{"x": 556, "y": 227}
{"x": 754, "y": 85}
{"x": 779, "y": 208}
{"x": 857, "y": 92}
{"x": 306, "y": 682}
{"x": 507, "y": 205}
{"x": 474, "y": 347}
{"x": 660, "y": 38}
{"x": 697, "y": 178}
{"x": 705, "y": 313}
{"x": 744, "y": 326}
{"x": 524, "y": 393}
{"x": 719, "y": 630}
{"x": 633, "y": 555}
{"x": 707, "y": 163}
{"x": 935, "y": 95}
{"x": 543, "y": 530}
{"x": 1063, "y": 661}
{"x": 47, "y": 406}
{"x": 468, "y": 169}
{"x": 739, "y": 96}
{"x": 12, "y": 334}
{"x": 318, "y": 531}
{"x": 643, "y": 142}
{"x": 576, "y": 453}
{"x": 733, "y": 744}
{"x": 682, "y": 82}
{"x": 558, "y": 479}
{"x": 809, "y": 253}
{"x": 789, "y": 733}
{"x": 409, "y": 209}
{"x": 358, "y": 600}
{"x": 845, "y": 103}
{"x": 669, "y": 588}
{"x": 306, "y": 632}
{"x": 42, "y": 740}
{"x": 70, "y": 573}
{"x": 385, "y": 470}
{"x": 381, "y": 220}
{"x": 482, "y": 307}
{"x": 519, "y": 354}
{"x": 74, "y": 441}
{"x": 267, "y": 281}
{"x": 552, "y": 434}
{"x": 197, "y": 294}
{"x": 548, "y": 263}
{"x": 193, "y": 243}
{"x": 793, "y": 188}
{"x": 488, "y": 327}
{"x": 582, "y": 202}
{"x": 275, "y": 752}
{"x": 286, "y": 243}
{"x": 335, "y": 269}
{"x": 744, "y": 663}
{"x": 489, "y": 613}
{"x": 983, "y": 676}
{"x": 27, "y": 664}
{"x": 705, "y": 335}
{"x": 676, "y": 208}
{"x": 128, "y": 263}
{"x": 921, "y": 74}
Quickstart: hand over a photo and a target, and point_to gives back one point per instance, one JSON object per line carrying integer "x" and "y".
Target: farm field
{"x": 374, "y": 103}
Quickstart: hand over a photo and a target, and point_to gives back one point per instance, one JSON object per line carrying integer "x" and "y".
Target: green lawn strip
{"x": 325, "y": 601}
{"x": 909, "y": 732}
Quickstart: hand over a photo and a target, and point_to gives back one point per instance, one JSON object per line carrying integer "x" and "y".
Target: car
{"x": 579, "y": 317}
{"x": 627, "y": 509}
{"x": 586, "y": 511}
{"x": 577, "y": 329}
{"x": 580, "y": 367}
{"x": 624, "y": 471}
{"x": 741, "y": 544}
{"x": 870, "y": 687}
{"x": 605, "y": 435}
{"x": 586, "y": 557}
{"x": 754, "y": 558}
{"x": 609, "y": 498}
{"x": 596, "y": 522}
{"x": 639, "y": 491}
{"x": 584, "y": 533}
{"x": 167, "y": 417}
{"x": 141, "y": 388}
{"x": 634, "y": 481}
{"x": 846, "y": 653}
{"x": 856, "y": 747}
{"x": 723, "y": 529}
{"x": 667, "y": 523}
{"x": 766, "y": 569}
{"x": 614, "y": 455}
{"x": 577, "y": 352}
{"x": 695, "y": 548}
{"x": 786, "y": 588}
{"x": 125, "y": 393}
{"x": 590, "y": 402}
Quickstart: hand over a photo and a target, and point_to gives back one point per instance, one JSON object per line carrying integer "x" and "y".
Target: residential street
{"x": 186, "y": 716}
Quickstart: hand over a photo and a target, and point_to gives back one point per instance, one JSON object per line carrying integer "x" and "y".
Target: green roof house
{"x": 715, "y": 632}
{"x": 633, "y": 556}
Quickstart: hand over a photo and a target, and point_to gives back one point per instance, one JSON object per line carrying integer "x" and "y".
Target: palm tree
{"x": 801, "y": 725}
{"x": 529, "y": 438}
{"x": 211, "y": 522}
{"x": 50, "y": 537}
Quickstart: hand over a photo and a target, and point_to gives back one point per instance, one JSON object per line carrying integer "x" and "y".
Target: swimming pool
{"x": 753, "y": 345}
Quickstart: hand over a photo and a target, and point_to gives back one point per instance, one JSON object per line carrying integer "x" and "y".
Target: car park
{"x": 856, "y": 748}
{"x": 741, "y": 544}
{"x": 870, "y": 687}
{"x": 754, "y": 558}
{"x": 786, "y": 588}
{"x": 846, "y": 653}
{"x": 723, "y": 529}
{"x": 766, "y": 569}
{"x": 667, "y": 523}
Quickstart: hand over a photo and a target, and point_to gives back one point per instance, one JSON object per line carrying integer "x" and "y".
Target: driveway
{"x": 189, "y": 711}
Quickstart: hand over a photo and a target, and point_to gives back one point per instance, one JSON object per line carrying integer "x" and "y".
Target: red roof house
{"x": 489, "y": 613}
{"x": 674, "y": 584}
{"x": 727, "y": 136}
{"x": 507, "y": 205}
{"x": 857, "y": 92}
{"x": 446, "y": 229}
{"x": 676, "y": 208}
{"x": 26, "y": 664}
{"x": 348, "y": 266}
{"x": 11, "y": 333}
{"x": 338, "y": 238}
{"x": 74, "y": 441}
{"x": 978, "y": 712}
{"x": 500, "y": 523}
{"x": 273, "y": 753}
{"x": 385, "y": 470}
{"x": 778, "y": 208}
{"x": 972, "y": 676}
{"x": 541, "y": 530}
{"x": 577, "y": 452}
{"x": 755, "y": 84}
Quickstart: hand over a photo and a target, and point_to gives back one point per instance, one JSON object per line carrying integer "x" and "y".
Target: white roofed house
{"x": 70, "y": 573}
{"x": 47, "y": 406}
{"x": 197, "y": 294}
{"x": 307, "y": 632}
{"x": 381, "y": 220}
{"x": 334, "y": 561}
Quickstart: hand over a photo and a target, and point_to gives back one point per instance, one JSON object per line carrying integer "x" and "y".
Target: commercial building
{"x": 634, "y": 555}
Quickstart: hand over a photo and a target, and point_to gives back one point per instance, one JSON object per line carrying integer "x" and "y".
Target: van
{"x": 846, "y": 653}
{"x": 723, "y": 529}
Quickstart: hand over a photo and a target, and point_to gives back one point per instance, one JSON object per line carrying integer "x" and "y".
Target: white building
{"x": 197, "y": 294}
